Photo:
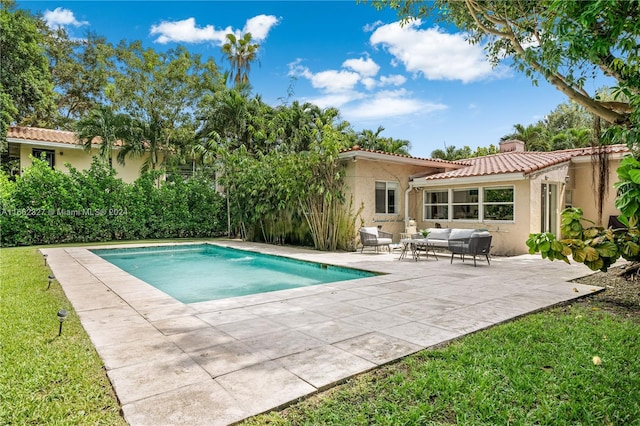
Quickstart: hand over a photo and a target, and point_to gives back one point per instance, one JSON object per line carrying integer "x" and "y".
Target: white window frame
{"x": 426, "y": 204}
{"x": 480, "y": 204}
{"x": 389, "y": 186}
{"x": 475, "y": 204}
{"x": 499, "y": 203}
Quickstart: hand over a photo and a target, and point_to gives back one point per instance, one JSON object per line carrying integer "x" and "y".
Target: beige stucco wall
{"x": 360, "y": 178}
{"x": 583, "y": 191}
{"x": 81, "y": 160}
{"x": 509, "y": 237}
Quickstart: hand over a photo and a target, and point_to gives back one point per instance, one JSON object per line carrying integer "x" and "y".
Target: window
{"x": 498, "y": 203}
{"x": 465, "y": 203}
{"x": 475, "y": 204}
{"x": 436, "y": 205}
{"x": 386, "y": 197}
{"x": 49, "y": 155}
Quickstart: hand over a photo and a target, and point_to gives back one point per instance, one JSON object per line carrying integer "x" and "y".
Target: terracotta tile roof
{"x": 518, "y": 162}
{"x": 42, "y": 135}
{"x": 356, "y": 148}
{"x": 47, "y": 135}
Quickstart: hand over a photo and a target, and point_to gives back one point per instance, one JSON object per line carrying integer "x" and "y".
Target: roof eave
{"x": 494, "y": 178}
{"x": 47, "y": 143}
{"x": 380, "y": 156}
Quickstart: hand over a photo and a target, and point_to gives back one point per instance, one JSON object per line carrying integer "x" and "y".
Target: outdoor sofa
{"x": 473, "y": 242}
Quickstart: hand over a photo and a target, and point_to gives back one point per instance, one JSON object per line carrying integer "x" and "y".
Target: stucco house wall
{"x": 66, "y": 150}
{"x": 361, "y": 176}
{"x": 509, "y": 237}
{"x": 583, "y": 193}
{"x": 81, "y": 160}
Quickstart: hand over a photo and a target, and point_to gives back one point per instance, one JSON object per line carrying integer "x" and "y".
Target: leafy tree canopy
{"x": 26, "y": 90}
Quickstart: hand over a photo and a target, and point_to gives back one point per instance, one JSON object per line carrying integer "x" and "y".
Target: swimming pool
{"x": 201, "y": 272}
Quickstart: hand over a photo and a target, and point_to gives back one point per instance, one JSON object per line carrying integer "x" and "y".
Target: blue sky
{"x": 421, "y": 82}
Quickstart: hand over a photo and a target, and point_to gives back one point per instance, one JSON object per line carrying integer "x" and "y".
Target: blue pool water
{"x": 196, "y": 273}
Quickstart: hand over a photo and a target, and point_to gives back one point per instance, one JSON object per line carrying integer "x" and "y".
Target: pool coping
{"x": 221, "y": 361}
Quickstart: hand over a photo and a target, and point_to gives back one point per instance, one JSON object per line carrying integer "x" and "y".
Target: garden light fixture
{"x": 62, "y": 315}
{"x": 51, "y": 278}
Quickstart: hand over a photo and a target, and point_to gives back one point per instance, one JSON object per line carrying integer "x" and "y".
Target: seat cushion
{"x": 370, "y": 230}
{"x": 383, "y": 241}
{"x": 461, "y": 234}
{"x": 439, "y": 233}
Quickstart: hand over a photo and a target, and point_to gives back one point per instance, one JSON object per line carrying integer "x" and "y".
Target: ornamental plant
{"x": 595, "y": 246}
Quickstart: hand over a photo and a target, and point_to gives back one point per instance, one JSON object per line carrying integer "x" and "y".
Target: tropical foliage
{"x": 45, "y": 206}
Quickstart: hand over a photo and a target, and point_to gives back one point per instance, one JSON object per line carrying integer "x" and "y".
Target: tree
{"x": 105, "y": 126}
{"x": 161, "y": 92}
{"x": 369, "y": 139}
{"x": 564, "y": 42}
{"x": 567, "y": 115}
{"x": 79, "y": 70}
{"x": 534, "y": 137}
{"x": 451, "y": 153}
{"x": 26, "y": 90}
{"x": 240, "y": 52}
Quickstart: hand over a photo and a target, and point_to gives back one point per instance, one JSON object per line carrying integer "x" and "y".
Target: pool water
{"x": 201, "y": 272}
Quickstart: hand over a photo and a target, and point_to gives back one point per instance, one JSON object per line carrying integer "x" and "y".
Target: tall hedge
{"x": 46, "y": 206}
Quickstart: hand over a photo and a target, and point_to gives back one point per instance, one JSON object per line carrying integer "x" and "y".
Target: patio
{"x": 221, "y": 361}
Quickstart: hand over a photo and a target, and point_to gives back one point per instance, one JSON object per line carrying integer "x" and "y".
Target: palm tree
{"x": 105, "y": 124}
{"x": 369, "y": 139}
{"x": 532, "y": 135}
{"x": 240, "y": 53}
{"x": 452, "y": 153}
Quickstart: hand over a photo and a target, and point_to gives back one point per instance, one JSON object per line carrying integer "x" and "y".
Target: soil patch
{"x": 621, "y": 295}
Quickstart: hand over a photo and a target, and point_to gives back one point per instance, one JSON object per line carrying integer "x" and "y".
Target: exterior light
{"x": 51, "y": 278}
{"x": 62, "y": 315}
{"x": 45, "y": 259}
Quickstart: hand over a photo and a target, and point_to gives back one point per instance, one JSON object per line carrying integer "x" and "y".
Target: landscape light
{"x": 51, "y": 278}
{"x": 45, "y": 259}
{"x": 62, "y": 315}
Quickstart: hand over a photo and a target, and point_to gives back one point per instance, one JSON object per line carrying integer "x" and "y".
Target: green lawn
{"x": 536, "y": 370}
{"x": 46, "y": 379}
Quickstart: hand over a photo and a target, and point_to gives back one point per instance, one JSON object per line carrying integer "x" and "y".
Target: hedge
{"x": 47, "y": 206}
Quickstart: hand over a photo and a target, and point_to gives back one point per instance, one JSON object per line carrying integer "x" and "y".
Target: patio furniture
{"x": 374, "y": 237}
{"x": 475, "y": 244}
{"x": 422, "y": 244}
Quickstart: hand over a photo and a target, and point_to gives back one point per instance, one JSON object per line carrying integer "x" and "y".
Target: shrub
{"x": 46, "y": 206}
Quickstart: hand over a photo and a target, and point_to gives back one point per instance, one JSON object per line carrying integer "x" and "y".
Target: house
{"x": 59, "y": 147}
{"x": 511, "y": 194}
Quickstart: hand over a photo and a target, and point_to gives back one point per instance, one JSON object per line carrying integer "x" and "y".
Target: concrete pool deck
{"x": 222, "y": 361}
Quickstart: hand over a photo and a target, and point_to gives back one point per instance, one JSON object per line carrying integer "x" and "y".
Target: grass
{"x": 535, "y": 370}
{"x": 46, "y": 378}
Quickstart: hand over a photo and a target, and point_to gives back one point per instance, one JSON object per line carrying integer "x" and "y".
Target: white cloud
{"x": 60, "y": 17}
{"x": 335, "y": 81}
{"x": 352, "y": 72}
{"x": 336, "y": 100}
{"x": 393, "y": 80}
{"x": 433, "y": 53}
{"x": 387, "y": 104}
{"x": 370, "y": 27}
{"x": 186, "y": 31}
{"x": 365, "y": 67}
{"x": 259, "y": 26}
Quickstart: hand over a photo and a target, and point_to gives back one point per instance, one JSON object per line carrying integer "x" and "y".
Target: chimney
{"x": 512, "y": 145}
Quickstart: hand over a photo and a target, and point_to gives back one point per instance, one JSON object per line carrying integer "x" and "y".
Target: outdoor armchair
{"x": 373, "y": 237}
{"x": 476, "y": 244}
